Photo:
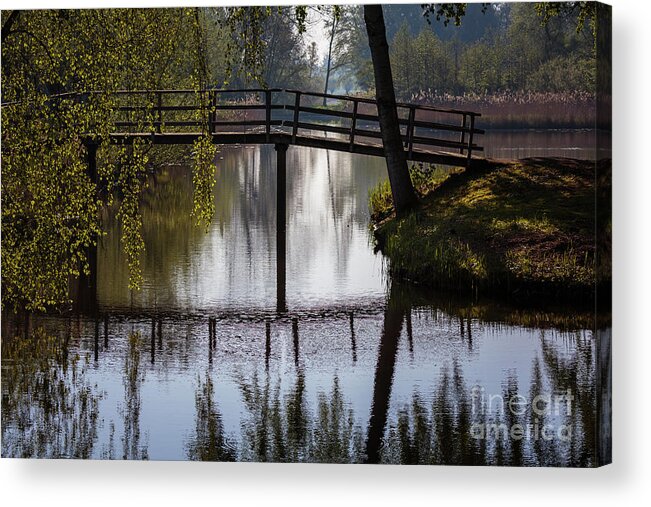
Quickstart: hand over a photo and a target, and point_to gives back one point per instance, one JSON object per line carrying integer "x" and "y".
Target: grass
{"x": 424, "y": 177}
{"x": 526, "y": 227}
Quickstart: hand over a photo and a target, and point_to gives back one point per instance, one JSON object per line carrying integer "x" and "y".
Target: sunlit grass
{"x": 424, "y": 177}
{"x": 523, "y": 224}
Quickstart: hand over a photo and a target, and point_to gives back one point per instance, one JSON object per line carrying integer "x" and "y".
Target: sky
{"x": 316, "y": 32}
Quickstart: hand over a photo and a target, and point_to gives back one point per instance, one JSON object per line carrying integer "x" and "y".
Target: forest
{"x": 507, "y": 49}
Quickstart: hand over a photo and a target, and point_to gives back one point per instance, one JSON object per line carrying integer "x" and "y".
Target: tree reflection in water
{"x": 282, "y": 429}
{"x": 443, "y": 433}
{"x": 134, "y": 376}
{"x": 336, "y": 437}
{"x": 209, "y": 442}
{"x": 276, "y": 430}
{"x": 49, "y": 408}
{"x": 52, "y": 409}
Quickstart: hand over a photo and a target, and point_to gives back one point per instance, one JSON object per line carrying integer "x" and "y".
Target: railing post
{"x": 213, "y": 122}
{"x": 353, "y": 125}
{"x": 297, "y": 107}
{"x": 267, "y": 99}
{"x": 160, "y": 111}
{"x": 281, "y": 218}
{"x": 463, "y": 133}
{"x": 410, "y": 130}
{"x": 470, "y": 136}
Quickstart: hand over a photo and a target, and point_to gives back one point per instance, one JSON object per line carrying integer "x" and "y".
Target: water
{"x": 232, "y": 267}
{"x": 565, "y": 143}
{"x": 214, "y": 359}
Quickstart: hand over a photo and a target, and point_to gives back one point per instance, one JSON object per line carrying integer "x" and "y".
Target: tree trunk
{"x": 404, "y": 196}
{"x": 332, "y": 38}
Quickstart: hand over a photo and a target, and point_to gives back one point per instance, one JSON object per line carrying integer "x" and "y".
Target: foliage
{"x": 203, "y": 176}
{"x": 132, "y": 162}
{"x": 204, "y": 150}
{"x": 581, "y": 11}
{"x": 49, "y": 217}
{"x": 351, "y": 58}
{"x": 446, "y": 12}
{"x": 50, "y": 206}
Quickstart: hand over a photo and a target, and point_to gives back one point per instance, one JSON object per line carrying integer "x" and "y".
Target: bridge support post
{"x": 87, "y": 296}
{"x": 281, "y": 218}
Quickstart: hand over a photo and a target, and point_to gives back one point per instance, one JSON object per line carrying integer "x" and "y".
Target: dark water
{"x": 566, "y": 143}
{"x": 214, "y": 359}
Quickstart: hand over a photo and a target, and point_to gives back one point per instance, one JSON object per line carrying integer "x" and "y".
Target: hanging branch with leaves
{"x": 204, "y": 150}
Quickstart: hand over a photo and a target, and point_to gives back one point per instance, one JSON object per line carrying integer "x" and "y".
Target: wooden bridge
{"x": 286, "y": 117}
{"x": 293, "y": 117}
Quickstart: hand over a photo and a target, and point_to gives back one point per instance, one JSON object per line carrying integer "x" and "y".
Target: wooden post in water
{"x": 106, "y": 331}
{"x": 469, "y": 322}
{"x": 267, "y": 345}
{"x": 96, "y": 342}
{"x": 352, "y": 337}
{"x": 295, "y": 337}
{"x": 152, "y": 347}
{"x": 211, "y": 340}
{"x": 281, "y": 217}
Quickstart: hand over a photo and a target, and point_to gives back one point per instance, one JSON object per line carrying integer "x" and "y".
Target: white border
{"x": 32, "y": 482}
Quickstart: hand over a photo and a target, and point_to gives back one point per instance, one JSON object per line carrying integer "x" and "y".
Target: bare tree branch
{"x": 6, "y": 27}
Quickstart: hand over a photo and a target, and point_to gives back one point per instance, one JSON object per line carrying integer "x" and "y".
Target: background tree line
{"x": 508, "y": 48}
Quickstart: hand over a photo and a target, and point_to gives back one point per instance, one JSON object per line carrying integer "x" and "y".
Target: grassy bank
{"x": 525, "y": 228}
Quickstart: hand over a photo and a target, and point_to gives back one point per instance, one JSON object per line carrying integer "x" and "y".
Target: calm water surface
{"x": 217, "y": 359}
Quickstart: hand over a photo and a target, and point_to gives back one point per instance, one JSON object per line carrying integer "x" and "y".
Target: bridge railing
{"x": 299, "y": 113}
{"x": 421, "y": 125}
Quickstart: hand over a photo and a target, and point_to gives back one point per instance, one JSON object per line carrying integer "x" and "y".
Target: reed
{"x": 516, "y": 110}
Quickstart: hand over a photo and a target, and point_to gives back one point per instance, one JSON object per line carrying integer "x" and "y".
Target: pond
{"x": 217, "y": 359}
